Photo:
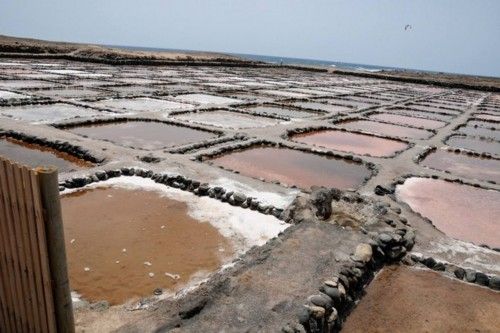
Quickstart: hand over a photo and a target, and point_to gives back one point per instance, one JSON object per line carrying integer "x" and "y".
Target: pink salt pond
{"x": 464, "y": 165}
{"x": 361, "y": 144}
{"x": 410, "y": 121}
{"x": 294, "y": 167}
{"x": 460, "y": 211}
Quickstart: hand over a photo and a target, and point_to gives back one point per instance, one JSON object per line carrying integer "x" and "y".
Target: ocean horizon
{"x": 297, "y": 61}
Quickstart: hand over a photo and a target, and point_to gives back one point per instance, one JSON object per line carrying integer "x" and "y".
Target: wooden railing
{"x": 34, "y": 288}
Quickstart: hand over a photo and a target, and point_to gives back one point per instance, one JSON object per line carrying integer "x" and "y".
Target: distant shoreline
{"x": 14, "y": 47}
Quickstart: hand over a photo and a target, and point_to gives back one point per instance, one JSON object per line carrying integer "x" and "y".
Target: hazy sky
{"x": 447, "y": 35}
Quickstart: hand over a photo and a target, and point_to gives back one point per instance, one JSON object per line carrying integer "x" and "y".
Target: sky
{"x": 455, "y": 36}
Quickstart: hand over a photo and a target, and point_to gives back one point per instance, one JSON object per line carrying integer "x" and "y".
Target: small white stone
{"x": 162, "y": 227}
{"x": 151, "y": 274}
{"x": 86, "y": 269}
{"x": 72, "y": 241}
{"x": 173, "y": 276}
{"x": 117, "y": 262}
{"x": 147, "y": 263}
{"x": 124, "y": 250}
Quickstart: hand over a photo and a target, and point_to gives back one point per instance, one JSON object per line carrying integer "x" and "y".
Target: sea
{"x": 279, "y": 60}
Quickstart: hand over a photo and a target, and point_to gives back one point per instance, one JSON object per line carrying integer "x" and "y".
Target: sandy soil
{"x": 35, "y": 46}
{"x": 402, "y": 299}
{"x": 442, "y": 79}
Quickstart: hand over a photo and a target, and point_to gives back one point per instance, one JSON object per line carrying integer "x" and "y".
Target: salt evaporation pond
{"x": 485, "y": 124}
{"x": 141, "y": 104}
{"x": 385, "y": 129}
{"x": 460, "y": 211}
{"x": 411, "y": 121}
{"x": 477, "y": 145}
{"x": 70, "y": 93}
{"x": 227, "y": 119}
{"x": 464, "y": 165}
{"x": 142, "y": 134}
{"x": 34, "y": 155}
{"x": 352, "y": 142}
{"x": 422, "y": 114}
{"x": 128, "y": 236}
{"x": 287, "y": 112}
{"x": 294, "y": 167}
{"x": 25, "y": 84}
{"x": 11, "y": 95}
{"x": 485, "y": 116}
{"x": 480, "y": 131}
{"x": 47, "y": 112}
{"x": 206, "y": 99}
{"x": 331, "y": 108}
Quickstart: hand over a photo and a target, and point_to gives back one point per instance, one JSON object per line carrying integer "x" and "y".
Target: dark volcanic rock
{"x": 482, "y": 279}
{"x": 459, "y": 273}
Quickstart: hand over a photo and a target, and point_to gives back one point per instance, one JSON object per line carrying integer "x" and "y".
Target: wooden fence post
{"x": 49, "y": 192}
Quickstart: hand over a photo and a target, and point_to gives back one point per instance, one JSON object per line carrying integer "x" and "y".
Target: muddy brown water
{"x": 352, "y": 142}
{"x": 116, "y": 237}
{"x": 411, "y": 121}
{"x": 403, "y": 299}
{"x": 464, "y": 165}
{"x": 477, "y": 145}
{"x": 460, "y": 211}
{"x": 294, "y": 167}
{"x": 34, "y": 155}
{"x": 143, "y": 134}
{"x": 386, "y": 129}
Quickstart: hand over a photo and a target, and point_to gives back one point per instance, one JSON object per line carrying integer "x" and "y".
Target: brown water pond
{"x": 123, "y": 243}
{"x": 460, "y": 211}
{"x": 463, "y": 165}
{"x": 404, "y": 299}
{"x": 142, "y": 134}
{"x": 386, "y": 129}
{"x": 410, "y": 121}
{"x": 34, "y": 155}
{"x": 477, "y": 145}
{"x": 352, "y": 142}
{"x": 294, "y": 167}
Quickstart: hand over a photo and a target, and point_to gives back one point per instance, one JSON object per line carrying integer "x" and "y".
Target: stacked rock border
{"x": 62, "y": 146}
{"x": 179, "y": 182}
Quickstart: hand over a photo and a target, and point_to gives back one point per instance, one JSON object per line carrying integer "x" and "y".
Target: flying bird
{"x": 408, "y": 27}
